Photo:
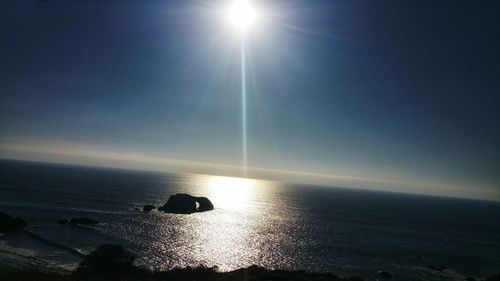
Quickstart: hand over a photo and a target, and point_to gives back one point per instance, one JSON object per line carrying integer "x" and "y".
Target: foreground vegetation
{"x": 201, "y": 274}
{"x": 114, "y": 263}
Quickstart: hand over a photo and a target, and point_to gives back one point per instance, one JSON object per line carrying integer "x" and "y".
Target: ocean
{"x": 276, "y": 225}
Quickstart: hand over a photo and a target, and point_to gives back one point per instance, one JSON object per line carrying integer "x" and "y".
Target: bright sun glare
{"x": 231, "y": 193}
{"x": 242, "y": 15}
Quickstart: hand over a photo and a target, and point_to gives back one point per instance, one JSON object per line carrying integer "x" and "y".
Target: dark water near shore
{"x": 348, "y": 232}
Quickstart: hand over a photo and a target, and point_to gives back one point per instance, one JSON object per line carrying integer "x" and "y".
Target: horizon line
{"x": 92, "y": 157}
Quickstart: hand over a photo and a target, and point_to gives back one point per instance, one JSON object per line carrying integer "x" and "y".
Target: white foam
{"x": 23, "y": 252}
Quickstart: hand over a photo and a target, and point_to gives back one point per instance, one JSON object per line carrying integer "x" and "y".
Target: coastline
{"x": 252, "y": 273}
{"x": 113, "y": 262}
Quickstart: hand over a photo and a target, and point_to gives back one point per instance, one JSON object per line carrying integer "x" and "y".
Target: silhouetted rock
{"x": 437, "y": 267}
{"x": 63, "y": 221}
{"x": 495, "y": 277}
{"x": 136, "y": 209}
{"x": 470, "y": 279}
{"x": 83, "y": 220}
{"x": 10, "y": 223}
{"x": 204, "y": 204}
{"x": 114, "y": 263}
{"x": 256, "y": 273}
{"x": 186, "y": 204}
{"x": 107, "y": 262}
{"x": 148, "y": 208}
{"x": 384, "y": 274}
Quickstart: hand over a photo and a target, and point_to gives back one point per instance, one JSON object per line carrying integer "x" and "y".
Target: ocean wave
{"x": 22, "y": 252}
{"x": 96, "y": 211}
{"x": 46, "y": 207}
{"x": 53, "y": 243}
{"x": 29, "y": 258}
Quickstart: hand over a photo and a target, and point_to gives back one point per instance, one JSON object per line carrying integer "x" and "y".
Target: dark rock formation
{"x": 204, "y": 204}
{"x": 256, "y": 273}
{"x": 83, "y": 220}
{"x": 63, "y": 221}
{"x": 10, "y": 223}
{"x": 180, "y": 204}
{"x": 118, "y": 268}
{"x": 148, "y": 208}
{"x": 186, "y": 204}
{"x": 384, "y": 274}
{"x": 107, "y": 262}
{"x": 470, "y": 279}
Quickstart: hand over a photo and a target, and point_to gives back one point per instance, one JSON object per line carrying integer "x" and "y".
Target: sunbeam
{"x": 242, "y": 16}
{"x": 244, "y": 107}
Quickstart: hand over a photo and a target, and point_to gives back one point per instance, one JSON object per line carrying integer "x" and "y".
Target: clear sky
{"x": 397, "y": 95}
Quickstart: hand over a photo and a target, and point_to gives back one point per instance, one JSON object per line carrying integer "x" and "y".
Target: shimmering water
{"x": 348, "y": 232}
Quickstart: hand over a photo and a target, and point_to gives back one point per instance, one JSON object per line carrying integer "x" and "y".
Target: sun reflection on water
{"x": 231, "y": 193}
{"x": 241, "y": 231}
{"x": 226, "y": 236}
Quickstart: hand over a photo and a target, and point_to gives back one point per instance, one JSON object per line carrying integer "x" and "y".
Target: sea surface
{"x": 275, "y": 225}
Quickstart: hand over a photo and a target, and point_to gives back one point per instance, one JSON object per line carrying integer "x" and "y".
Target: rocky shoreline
{"x": 114, "y": 263}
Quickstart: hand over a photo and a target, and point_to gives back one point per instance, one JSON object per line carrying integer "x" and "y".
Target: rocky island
{"x": 182, "y": 203}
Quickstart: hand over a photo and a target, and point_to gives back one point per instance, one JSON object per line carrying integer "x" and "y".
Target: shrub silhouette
{"x": 107, "y": 262}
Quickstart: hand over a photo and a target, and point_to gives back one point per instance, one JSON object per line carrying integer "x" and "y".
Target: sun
{"x": 242, "y": 15}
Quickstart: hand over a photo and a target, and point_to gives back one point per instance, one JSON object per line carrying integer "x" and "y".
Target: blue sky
{"x": 393, "y": 91}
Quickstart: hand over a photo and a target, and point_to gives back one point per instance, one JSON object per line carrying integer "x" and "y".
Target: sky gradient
{"x": 394, "y": 95}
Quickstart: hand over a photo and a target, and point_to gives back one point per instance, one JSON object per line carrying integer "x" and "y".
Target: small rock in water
{"x": 148, "y": 208}
{"x": 384, "y": 274}
{"x": 83, "y": 220}
{"x": 62, "y": 221}
{"x": 470, "y": 279}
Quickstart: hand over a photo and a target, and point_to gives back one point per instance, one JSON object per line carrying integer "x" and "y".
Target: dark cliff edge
{"x": 113, "y": 262}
